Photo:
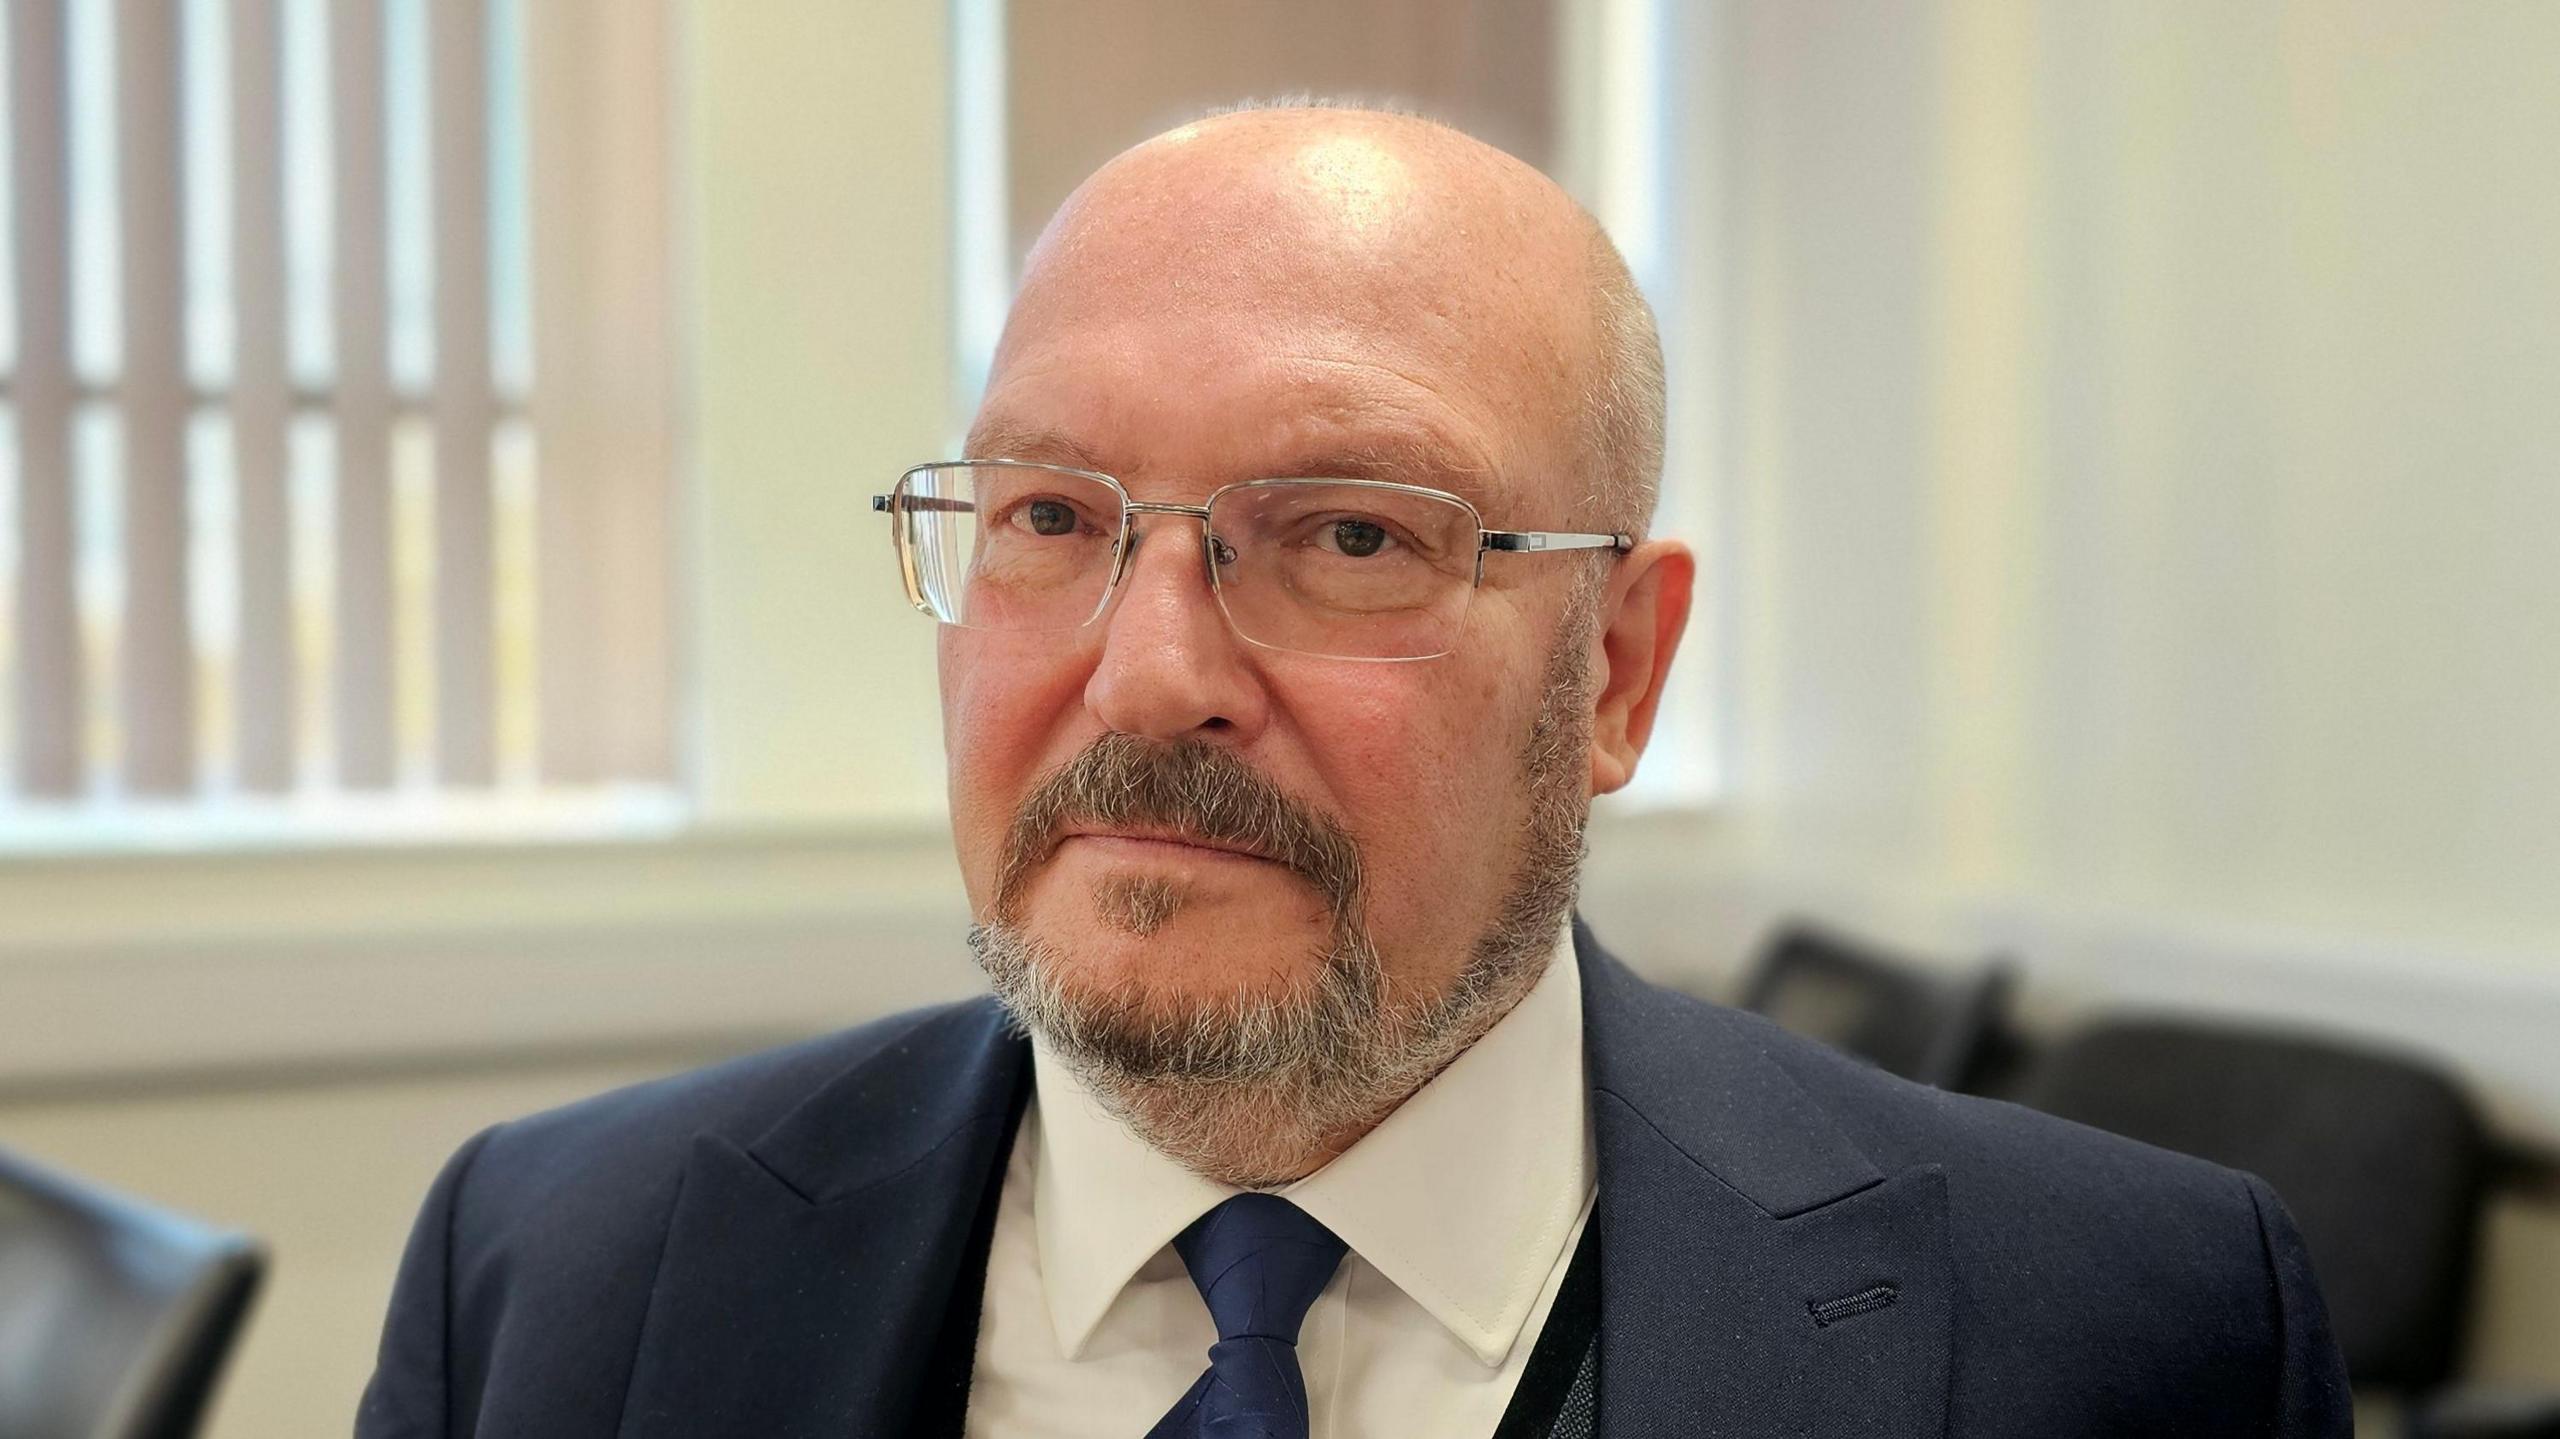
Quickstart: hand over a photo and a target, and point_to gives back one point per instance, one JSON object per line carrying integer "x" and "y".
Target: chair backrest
{"x": 2380, "y": 1157}
{"x": 115, "y": 1316}
{"x": 1933, "y": 1025}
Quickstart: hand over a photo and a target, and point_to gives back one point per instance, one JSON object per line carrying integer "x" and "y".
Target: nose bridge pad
{"x": 1218, "y": 554}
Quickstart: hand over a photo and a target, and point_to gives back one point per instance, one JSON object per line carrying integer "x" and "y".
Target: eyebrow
{"x": 1402, "y": 458}
{"x": 1005, "y": 440}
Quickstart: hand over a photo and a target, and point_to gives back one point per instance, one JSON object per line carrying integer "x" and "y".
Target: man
{"x": 1294, "y": 606}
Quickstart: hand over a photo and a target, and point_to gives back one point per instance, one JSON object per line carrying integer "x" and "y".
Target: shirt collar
{"x": 1465, "y": 1214}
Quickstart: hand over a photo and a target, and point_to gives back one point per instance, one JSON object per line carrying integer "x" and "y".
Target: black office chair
{"x": 2488, "y": 1414}
{"x": 1936, "y": 1026}
{"x": 2381, "y": 1158}
{"x": 115, "y": 1317}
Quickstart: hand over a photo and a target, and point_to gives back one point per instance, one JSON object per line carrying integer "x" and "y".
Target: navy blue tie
{"x": 1259, "y": 1261}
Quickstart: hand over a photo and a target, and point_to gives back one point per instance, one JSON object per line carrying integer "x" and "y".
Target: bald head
{"x": 1327, "y": 228}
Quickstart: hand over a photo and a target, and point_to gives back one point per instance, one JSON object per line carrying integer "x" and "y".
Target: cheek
{"x": 1009, "y": 705}
{"x": 1425, "y": 763}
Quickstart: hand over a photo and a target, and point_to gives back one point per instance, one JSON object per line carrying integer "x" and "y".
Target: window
{"x": 335, "y": 383}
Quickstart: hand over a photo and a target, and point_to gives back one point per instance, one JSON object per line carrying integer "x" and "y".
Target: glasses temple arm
{"x": 913, "y": 504}
{"x": 1531, "y": 541}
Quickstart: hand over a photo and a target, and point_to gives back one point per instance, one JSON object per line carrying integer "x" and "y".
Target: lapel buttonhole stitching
{"x": 1827, "y": 1312}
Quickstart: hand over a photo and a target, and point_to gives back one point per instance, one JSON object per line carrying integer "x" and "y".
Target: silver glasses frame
{"x": 1488, "y": 541}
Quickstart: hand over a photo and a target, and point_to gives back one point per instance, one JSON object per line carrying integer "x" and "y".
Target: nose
{"x": 1170, "y": 667}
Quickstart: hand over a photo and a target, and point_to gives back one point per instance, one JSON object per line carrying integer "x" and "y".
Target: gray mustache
{"x": 1197, "y": 790}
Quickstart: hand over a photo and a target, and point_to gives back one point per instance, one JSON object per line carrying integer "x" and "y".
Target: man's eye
{"x": 1050, "y": 517}
{"x": 1357, "y": 538}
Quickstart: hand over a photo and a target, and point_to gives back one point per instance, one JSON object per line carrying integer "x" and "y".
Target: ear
{"x": 1644, "y": 611}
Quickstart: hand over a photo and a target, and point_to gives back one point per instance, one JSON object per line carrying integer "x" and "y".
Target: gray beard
{"x": 1253, "y": 1090}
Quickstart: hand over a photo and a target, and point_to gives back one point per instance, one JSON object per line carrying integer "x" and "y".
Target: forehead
{"x": 1203, "y": 313}
{"x": 1130, "y": 417}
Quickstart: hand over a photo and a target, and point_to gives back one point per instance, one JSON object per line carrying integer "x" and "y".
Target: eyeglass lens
{"x": 1322, "y": 567}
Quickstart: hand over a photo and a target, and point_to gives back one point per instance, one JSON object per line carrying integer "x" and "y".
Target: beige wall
{"x": 2135, "y": 485}
{"x": 2136, "y": 490}
{"x": 1081, "y": 87}
{"x": 2141, "y": 464}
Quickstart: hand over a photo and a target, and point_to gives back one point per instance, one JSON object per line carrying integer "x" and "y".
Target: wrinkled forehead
{"x": 1319, "y": 310}
{"x": 1175, "y": 417}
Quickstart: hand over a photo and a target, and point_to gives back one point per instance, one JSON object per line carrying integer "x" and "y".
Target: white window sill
{"x": 119, "y": 966}
{"x": 114, "y": 828}
{"x": 115, "y": 965}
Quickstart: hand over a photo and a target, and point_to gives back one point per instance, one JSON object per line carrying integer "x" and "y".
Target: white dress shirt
{"x": 1461, "y": 1211}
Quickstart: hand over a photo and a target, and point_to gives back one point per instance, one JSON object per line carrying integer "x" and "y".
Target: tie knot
{"x": 1259, "y": 1261}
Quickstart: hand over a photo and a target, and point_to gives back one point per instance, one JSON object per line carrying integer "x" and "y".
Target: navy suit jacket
{"x": 1791, "y": 1243}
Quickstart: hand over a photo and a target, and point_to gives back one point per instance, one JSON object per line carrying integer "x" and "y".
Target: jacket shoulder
{"x": 530, "y": 1269}
{"x": 605, "y": 1152}
{"x": 1985, "y": 1144}
{"x": 2142, "y": 1272}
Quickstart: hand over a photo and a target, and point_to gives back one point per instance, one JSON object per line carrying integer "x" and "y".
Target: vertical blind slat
{"x": 601, "y": 399}
{"x": 361, "y": 291}
{"x": 558, "y": 47}
{"x": 603, "y": 386}
{"x": 47, "y": 683}
{"x": 158, "y": 687}
{"x": 261, "y": 397}
{"x": 465, "y": 408}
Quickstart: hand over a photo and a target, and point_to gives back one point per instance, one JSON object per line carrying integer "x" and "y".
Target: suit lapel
{"x": 806, "y": 1271}
{"x": 1759, "y": 1274}
{"x": 1747, "y": 1246}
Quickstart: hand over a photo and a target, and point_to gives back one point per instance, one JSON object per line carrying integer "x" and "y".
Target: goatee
{"x": 1249, "y": 1088}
